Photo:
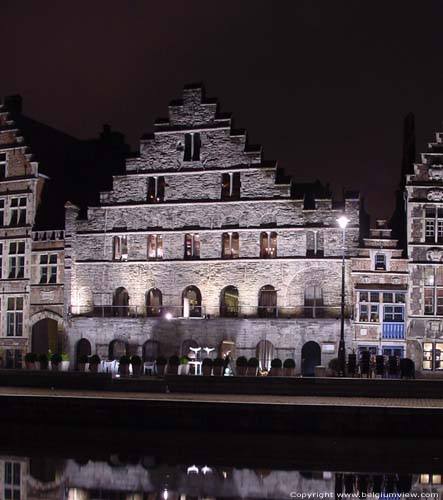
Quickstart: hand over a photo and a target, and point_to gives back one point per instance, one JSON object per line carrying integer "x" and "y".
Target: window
{"x": 13, "y": 358}
{"x": 155, "y": 247}
{"x": 434, "y": 225}
{"x": 264, "y": 352}
{"x": 267, "y": 302}
{"x": 48, "y": 268}
{"x": 229, "y": 302}
{"x": 433, "y": 291}
{"x": 153, "y": 302}
{"x": 192, "y": 302}
{"x": 314, "y": 244}
{"x": 156, "y": 189}
{"x": 393, "y": 314}
{"x": 18, "y": 212}
{"x": 2, "y": 212}
{"x": 120, "y": 248}
{"x": 230, "y": 186}
{"x": 268, "y": 245}
{"x": 2, "y": 165}
{"x": 120, "y": 302}
{"x": 380, "y": 262}
{"x": 192, "y": 147}
{"x": 12, "y": 481}
{"x": 17, "y": 259}
{"x": 368, "y": 308}
{"x": 432, "y": 356}
{"x": 1, "y": 260}
{"x": 230, "y": 245}
{"x": 314, "y": 302}
{"x": 192, "y": 246}
{"x": 15, "y": 317}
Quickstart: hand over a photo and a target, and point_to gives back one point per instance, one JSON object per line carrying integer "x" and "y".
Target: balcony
{"x": 395, "y": 331}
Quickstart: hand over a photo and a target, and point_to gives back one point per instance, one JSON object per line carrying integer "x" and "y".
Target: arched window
{"x": 265, "y": 354}
{"x": 155, "y": 247}
{"x": 229, "y": 302}
{"x": 267, "y": 302}
{"x": 268, "y": 245}
{"x": 120, "y": 248}
{"x": 117, "y": 348}
{"x": 153, "y": 302}
{"x": 314, "y": 302}
{"x": 192, "y": 246}
{"x": 150, "y": 350}
{"x": 230, "y": 245}
{"x": 120, "y": 302}
{"x": 192, "y": 302}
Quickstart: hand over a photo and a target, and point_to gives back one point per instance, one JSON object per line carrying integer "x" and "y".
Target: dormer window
{"x": 192, "y": 147}
{"x": 380, "y": 262}
{"x": 2, "y": 165}
{"x": 156, "y": 189}
{"x": 230, "y": 186}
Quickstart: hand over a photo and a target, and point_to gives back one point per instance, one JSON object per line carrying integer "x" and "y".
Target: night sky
{"x": 322, "y": 85}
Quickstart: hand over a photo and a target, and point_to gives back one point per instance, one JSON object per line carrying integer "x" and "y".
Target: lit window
{"x": 268, "y": 245}
{"x": 12, "y": 481}
{"x": 120, "y": 248}
{"x": 368, "y": 307}
{"x": 380, "y": 262}
{"x": 230, "y": 244}
{"x": 18, "y": 212}
{"x": 155, "y": 246}
{"x": 48, "y": 268}
{"x": 434, "y": 224}
{"x": 432, "y": 356}
{"x": 433, "y": 291}
{"x": 192, "y": 246}
{"x": 17, "y": 259}
{"x": 156, "y": 189}
{"x": 2, "y": 165}
{"x": 192, "y": 147}
{"x": 230, "y": 186}
{"x": 15, "y": 317}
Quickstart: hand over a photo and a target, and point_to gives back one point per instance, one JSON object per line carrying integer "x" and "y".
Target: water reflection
{"x": 143, "y": 478}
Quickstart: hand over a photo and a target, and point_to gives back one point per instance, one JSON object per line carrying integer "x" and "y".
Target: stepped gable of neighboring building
{"x": 425, "y": 250}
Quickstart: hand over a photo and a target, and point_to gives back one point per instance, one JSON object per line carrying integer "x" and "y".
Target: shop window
{"x": 230, "y": 245}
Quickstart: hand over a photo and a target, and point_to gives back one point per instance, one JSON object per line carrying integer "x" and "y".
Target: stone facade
{"x": 197, "y": 220}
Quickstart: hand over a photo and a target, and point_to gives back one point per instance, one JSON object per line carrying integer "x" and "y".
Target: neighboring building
{"x": 380, "y": 281}
{"x": 202, "y": 231}
{"x": 425, "y": 251}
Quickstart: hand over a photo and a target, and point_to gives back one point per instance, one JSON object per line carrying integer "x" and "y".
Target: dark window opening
{"x": 192, "y": 147}
{"x": 231, "y": 186}
{"x": 156, "y": 189}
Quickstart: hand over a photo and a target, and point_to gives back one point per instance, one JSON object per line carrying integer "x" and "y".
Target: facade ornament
{"x": 434, "y": 255}
{"x": 435, "y": 195}
{"x": 436, "y": 173}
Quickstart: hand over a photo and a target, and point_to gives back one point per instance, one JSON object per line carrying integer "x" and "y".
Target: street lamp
{"x": 342, "y": 222}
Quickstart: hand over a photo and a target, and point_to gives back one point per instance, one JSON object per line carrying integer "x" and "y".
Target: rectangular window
{"x": 433, "y": 291}
{"x": 120, "y": 248}
{"x": 156, "y": 189}
{"x": 432, "y": 356}
{"x": 368, "y": 308}
{"x": 17, "y": 259}
{"x": 230, "y": 245}
{"x": 155, "y": 246}
{"x": 268, "y": 245}
{"x": 18, "y": 212}
{"x": 434, "y": 224}
{"x": 192, "y": 147}
{"x": 192, "y": 246}
{"x": 393, "y": 314}
{"x": 12, "y": 481}
{"x": 2, "y": 166}
{"x": 48, "y": 268}
{"x": 230, "y": 186}
{"x": 15, "y": 317}
{"x": 2, "y": 213}
{"x": 380, "y": 262}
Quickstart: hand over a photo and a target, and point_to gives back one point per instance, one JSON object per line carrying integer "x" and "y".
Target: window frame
{"x": 120, "y": 248}
{"x": 155, "y": 246}
{"x": 433, "y": 226}
{"x": 14, "y": 316}
{"x": 433, "y": 293}
{"x": 16, "y": 260}
{"x": 49, "y": 269}
{"x": 192, "y": 250}
{"x": 270, "y": 240}
{"x": 233, "y": 245}
{"x": 18, "y": 211}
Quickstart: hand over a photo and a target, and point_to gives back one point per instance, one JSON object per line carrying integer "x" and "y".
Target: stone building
{"x": 31, "y": 263}
{"x": 425, "y": 239}
{"x": 202, "y": 243}
{"x": 380, "y": 282}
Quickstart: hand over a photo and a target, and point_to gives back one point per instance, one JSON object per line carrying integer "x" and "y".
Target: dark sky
{"x": 322, "y": 85}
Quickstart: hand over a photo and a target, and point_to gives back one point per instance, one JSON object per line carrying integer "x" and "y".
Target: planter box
{"x": 320, "y": 371}
{"x": 183, "y": 369}
{"x": 65, "y": 366}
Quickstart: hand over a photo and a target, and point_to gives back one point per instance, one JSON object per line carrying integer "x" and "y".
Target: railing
{"x": 170, "y": 312}
{"x": 393, "y": 331}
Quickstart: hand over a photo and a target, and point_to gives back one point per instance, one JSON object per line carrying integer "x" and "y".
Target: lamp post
{"x": 342, "y": 222}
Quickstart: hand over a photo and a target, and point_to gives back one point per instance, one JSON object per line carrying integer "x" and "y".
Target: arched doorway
{"x": 83, "y": 349}
{"x": 192, "y": 302}
{"x": 117, "y": 348}
{"x": 310, "y": 358}
{"x": 265, "y": 354}
{"x": 45, "y": 337}
{"x": 120, "y": 302}
{"x": 150, "y": 350}
{"x": 229, "y": 302}
{"x": 153, "y": 302}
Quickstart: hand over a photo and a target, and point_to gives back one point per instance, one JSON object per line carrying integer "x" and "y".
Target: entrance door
{"x": 310, "y": 358}
{"x": 45, "y": 337}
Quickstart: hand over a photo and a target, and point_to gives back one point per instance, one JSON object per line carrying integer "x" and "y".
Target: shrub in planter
{"x": 81, "y": 362}
{"x": 276, "y": 368}
{"x": 334, "y": 366}
{"x": 173, "y": 363}
{"x": 217, "y": 366}
{"x": 160, "y": 364}
{"x": 124, "y": 363}
{"x": 56, "y": 360}
{"x": 289, "y": 367}
{"x": 207, "y": 367}
{"x": 43, "y": 360}
{"x": 252, "y": 367}
{"x": 93, "y": 363}
{"x": 241, "y": 366}
{"x": 184, "y": 366}
{"x": 136, "y": 362}
{"x": 30, "y": 359}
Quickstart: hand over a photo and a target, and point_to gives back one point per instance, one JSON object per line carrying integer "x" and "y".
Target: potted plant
{"x": 173, "y": 363}
{"x": 123, "y": 366}
{"x": 160, "y": 364}
{"x": 81, "y": 362}
{"x": 56, "y": 360}
{"x": 252, "y": 367}
{"x": 65, "y": 361}
{"x": 217, "y": 366}
{"x": 334, "y": 367}
{"x": 43, "y": 360}
{"x": 276, "y": 368}
{"x": 241, "y": 366}
{"x": 207, "y": 367}
{"x": 183, "y": 368}
{"x": 94, "y": 361}
{"x": 136, "y": 362}
{"x": 30, "y": 359}
{"x": 289, "y": 367}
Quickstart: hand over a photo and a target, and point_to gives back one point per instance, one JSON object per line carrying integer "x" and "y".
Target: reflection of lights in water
{"x": 206, "y": 469}
{"x": 192, "y": 470}
{"x": 168, "y": 316}
{"x": 225, "y": 474}
{"x": 165, "y": 494}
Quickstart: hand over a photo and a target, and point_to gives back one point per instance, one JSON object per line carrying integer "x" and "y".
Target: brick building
{"x": 202, "y": 243}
